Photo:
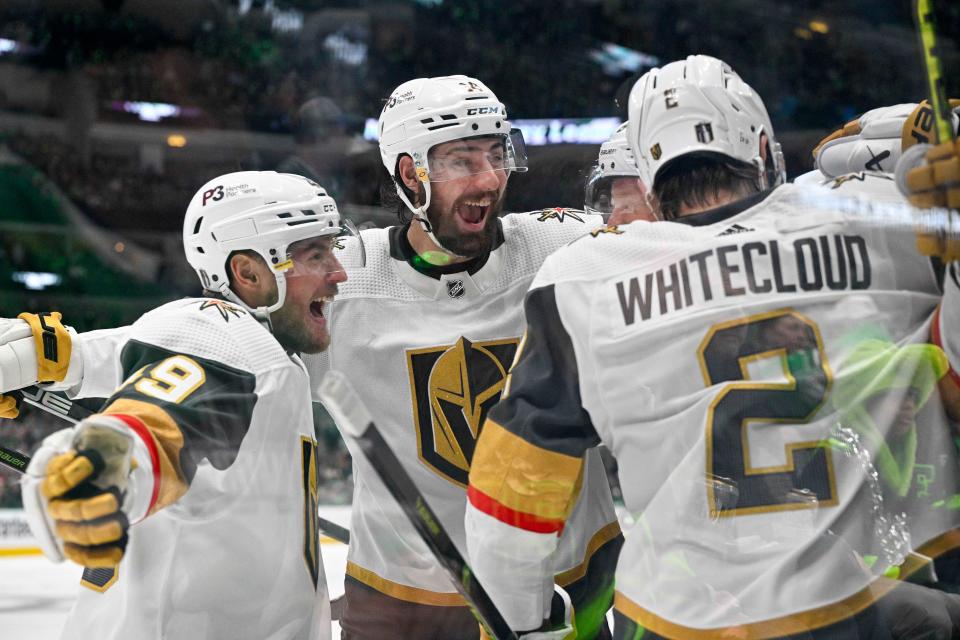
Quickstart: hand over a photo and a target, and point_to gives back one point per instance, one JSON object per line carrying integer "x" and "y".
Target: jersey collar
{"x": 719, "y": 214}
{"x": 460, "y": 281}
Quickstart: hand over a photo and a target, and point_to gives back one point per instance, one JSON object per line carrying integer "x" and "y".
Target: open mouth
{"x": 318, "y": 305}
{"x": 474, "y": 212}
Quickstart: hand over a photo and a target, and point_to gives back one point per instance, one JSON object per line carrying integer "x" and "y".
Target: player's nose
{"x": 486, "y": 180}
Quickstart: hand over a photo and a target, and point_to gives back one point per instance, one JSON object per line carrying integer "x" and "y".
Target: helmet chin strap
{"x": 261, "y": 314}
{"x": 420, "y": 215}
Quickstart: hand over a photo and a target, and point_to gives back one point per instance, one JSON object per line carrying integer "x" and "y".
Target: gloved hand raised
{"x": 876, "y": 140}
{"x": 34, "y": 347}
{"x": 79, "y": 491}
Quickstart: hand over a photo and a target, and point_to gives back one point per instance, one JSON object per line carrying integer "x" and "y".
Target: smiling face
{"x": 468, "y": 179}
{"x": 300, "y": 324}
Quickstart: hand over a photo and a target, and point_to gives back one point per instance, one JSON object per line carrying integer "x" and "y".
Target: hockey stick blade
{"x": 351, "y": 415}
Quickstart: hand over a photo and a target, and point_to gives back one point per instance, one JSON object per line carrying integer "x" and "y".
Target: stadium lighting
{"x": 543, "y": 131}
{"x": 617, "y": 59}
{"x": 177, "y": 140}
{"x": 8, "y": 46}
{"x": 155, "y": 111}
{"x": 36, "y": 280}
{"x": 819, "y": 26}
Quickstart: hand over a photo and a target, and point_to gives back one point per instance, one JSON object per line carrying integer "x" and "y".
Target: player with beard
{"x": 428, "y": 339}
{"x": 427, "y": 332}
{"x": 191, "y": 497}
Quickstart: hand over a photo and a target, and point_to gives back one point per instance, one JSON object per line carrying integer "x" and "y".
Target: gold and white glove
{"x": 35, "y": 347}
{"x": 929, "y": 176}
{"x": 79, "y": 492}
{"x": 876, "y": 140}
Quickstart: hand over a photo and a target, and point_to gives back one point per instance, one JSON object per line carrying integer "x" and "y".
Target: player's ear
{"x": 250, "y": 278}
{"x": 408, "y": 173}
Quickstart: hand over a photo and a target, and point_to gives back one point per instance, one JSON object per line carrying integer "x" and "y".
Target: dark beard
{"x": 471, "y": 245}
{"x": 293, "y": 335}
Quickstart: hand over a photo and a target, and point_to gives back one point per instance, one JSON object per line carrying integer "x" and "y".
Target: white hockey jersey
{"x": 231, "y": 548}
{"x": 750, "y": 377}
{"x": 429, "y": 356}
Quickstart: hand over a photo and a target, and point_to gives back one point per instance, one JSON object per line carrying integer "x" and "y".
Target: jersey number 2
{"x": 735, "y": 484}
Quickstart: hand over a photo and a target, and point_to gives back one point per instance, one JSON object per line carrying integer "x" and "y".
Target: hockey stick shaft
{"x": 334, "y": 530}
{"x": 926, "y": 29}
{"x": 342, "y": 401}
{"x": 62, "y": 407}
{"x": 51, "y": 402}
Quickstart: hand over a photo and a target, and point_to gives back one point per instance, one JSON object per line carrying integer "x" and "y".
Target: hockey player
{"x": 614, "y": 189}
{"x": 427, "y": 332}
{"x": 429, "y": 338}
{"x": 191, "y": 497}
{"x": 705, "y": 355}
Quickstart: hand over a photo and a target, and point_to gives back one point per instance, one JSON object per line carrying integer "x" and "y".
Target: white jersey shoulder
{"x": 210, "y": 328}
{"x": 533, "y": 235}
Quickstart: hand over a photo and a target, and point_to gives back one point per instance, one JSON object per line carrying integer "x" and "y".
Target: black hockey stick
{"x": 50, "y": 402}
{"x": 62, "y": 407}
{"x": 350, "y": 414}
{"x": 334, "y": 530}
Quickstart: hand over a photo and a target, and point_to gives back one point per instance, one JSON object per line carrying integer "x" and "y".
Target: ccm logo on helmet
{"x": 476, "y": 111}
{"x": 212, "y": 194}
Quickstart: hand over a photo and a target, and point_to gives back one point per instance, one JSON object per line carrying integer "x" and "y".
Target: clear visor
{"x": 471, "y": 156}
{"x": 619, "y": 199}
{"x": 338, "y": 252}
{"x": 596, "y": 195}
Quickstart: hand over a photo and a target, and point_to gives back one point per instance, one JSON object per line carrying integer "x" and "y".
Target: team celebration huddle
{"x": 769, "y": 368}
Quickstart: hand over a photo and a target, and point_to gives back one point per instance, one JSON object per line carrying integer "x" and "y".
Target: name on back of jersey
{"x": 828, "y": 262}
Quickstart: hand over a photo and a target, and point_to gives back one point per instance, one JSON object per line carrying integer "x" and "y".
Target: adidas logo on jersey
{"x": 737, "y": 228}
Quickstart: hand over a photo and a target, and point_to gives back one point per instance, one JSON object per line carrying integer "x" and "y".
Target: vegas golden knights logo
{"x": 453, "y": 387}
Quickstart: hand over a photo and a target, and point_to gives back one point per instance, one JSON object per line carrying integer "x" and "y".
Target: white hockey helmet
{"x": 699, "y": 105}
{"x": 425, "y": 112}
{"x": 616, "y": 160}
{"x": 261, "y": 211}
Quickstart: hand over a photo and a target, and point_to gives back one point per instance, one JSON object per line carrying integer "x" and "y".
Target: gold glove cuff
{"x": 53, "y": 345}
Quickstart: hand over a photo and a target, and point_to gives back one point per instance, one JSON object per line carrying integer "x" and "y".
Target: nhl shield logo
{"x": 455, "y": 288}
{"x": 655, "y": 151}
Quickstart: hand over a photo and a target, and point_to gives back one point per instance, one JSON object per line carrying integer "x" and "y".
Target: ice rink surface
{"x": 36, "y": 595}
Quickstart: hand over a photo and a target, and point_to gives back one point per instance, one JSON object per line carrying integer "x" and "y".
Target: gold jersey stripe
{"x": 402, "y": 591}
{"x": 168, "y": 439}
{"x": 797, "y": 622}
{"x": 603, "y": 535}
{"x": 524, "y": 477}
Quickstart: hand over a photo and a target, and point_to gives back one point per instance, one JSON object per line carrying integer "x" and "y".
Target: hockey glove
{"x": 929, "y": 176}
{"x": 876, "y": 140}
{"x": 77, "y": 492}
